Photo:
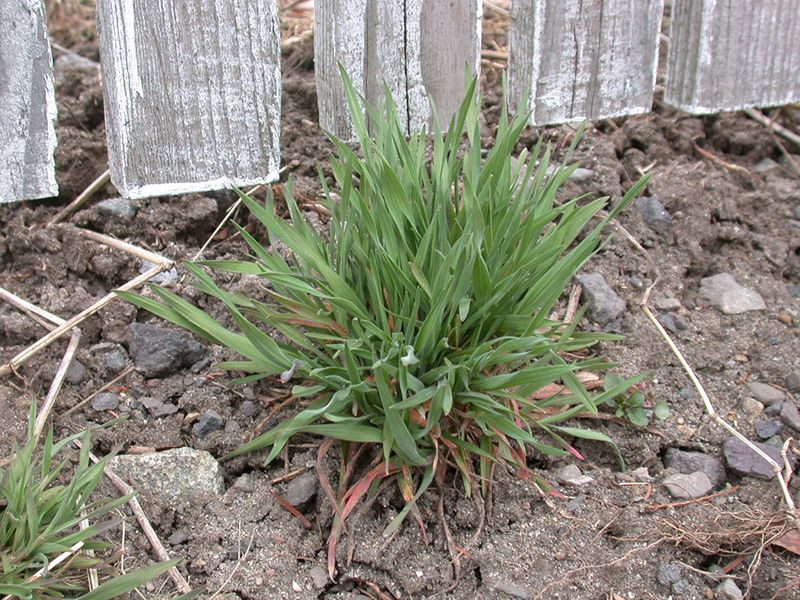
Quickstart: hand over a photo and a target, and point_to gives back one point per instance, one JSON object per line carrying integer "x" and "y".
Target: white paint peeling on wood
{"x": 192, "y": 97}
{"x": 411, "y": 46}
{"x": 583, "y": 59}
{"x": 27, "y": 103}
{"x": 733, "y": 55}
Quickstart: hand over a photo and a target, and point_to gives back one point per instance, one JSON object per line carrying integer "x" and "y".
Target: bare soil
{"x": 609, "y": 539}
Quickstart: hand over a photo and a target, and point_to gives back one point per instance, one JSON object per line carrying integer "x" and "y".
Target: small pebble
{"x": 729, "y": 590}
{"x": 571, "y": 475}
{"x": 105, "y": 401}
{"x": 75, "y": 373}
{"x": 766, "y": 428}
{"x": 115, "y": 361}
{"x": 178, "y": 538}
{"x": 790, "y": 415}
{"x": 688, "y": 487}
{"x": 244, "y": 483}
{"x": 319, "y": 577}
{"x": 793, "y": 381}
{"x": 764, "y": 393}
{"x": 303, "y": 488}
{"x": 248, "y": 408}
{"x": 785, "y": 318}
{"x": 750, "y": 407}
{"x": 209, "y": 421}
{"x": 668, "y": 574}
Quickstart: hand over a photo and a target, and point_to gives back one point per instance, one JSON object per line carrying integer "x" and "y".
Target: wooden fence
{"x": 192, "y": 97}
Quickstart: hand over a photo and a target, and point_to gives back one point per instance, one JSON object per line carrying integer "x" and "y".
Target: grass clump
{"x": 420, "y": 327}
{"x": 43, "y": 551}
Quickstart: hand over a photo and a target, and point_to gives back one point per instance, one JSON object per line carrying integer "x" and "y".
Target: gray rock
{"x": 176, "y": 475}
{"x": 654, "y": 214}
{"x": 116, "y": 361}
{"x": 163, "y": 278}
{"x": 765, "y": 165}
{"x": 766, "y": 394}
{"x": 105, "y": 401}
{"x": 164, "y": 410}
{"x": 686, "y": 461}
{"x": 581, "y": 175}
{"x": 667, "y": 320}
{"x": 319, "y": 577}
{"x": 178, "y": 538}
{"x": 571, "y": 475}
{"x": 688, "y": 487}
{"x": 302, "y": 489}
{"x": 119, "y": 208}
{"x": 794, "y": 290}
{"x": 750, "y": 407}
{"x": 790, "y": 415}
{"x": 793, "y": 381}
{"x": 728, "y": 590}
{"x": 668, "y": 574}
{"x": 248, "y": 408}
{"x": 75, "y": 373}
{"x": 73, "y": 67}
{"x": 724, "y": 292}
{"x": 244, "y": 483}
{"x": 604, "y": 303}
{"x": 681, "y": 322}
{"x": 742, "y": 460}
{"x": 208, "y": 422}
{"x": 667, "y": 303}
{"x": 766, "y": 428}
{"x": 158, "y": 351}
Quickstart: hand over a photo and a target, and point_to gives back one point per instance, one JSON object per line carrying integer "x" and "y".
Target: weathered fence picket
{"x": 192, "y": 90}
{"x": 192, "y": 94}
{"x": 733, "y": 55}
{"x": 583, "y": 59}
{"x": 27, "y": 103}
{"x": 420, "y": 49}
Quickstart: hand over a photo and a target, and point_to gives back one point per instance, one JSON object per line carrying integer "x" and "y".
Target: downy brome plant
{"x": 420, "y": 326}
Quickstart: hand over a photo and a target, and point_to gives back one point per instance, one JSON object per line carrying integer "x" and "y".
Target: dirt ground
{"x": 733, "y": 191}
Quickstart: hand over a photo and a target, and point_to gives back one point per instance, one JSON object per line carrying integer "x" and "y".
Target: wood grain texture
{"x": 419, "y": 49}
{"x": 583, "y": 59}
{"x": 192, "y": 93}
{"x": 733, "y": 54}
{"x": 27, "y": 103}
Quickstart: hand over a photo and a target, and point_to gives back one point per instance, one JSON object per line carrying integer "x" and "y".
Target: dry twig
{"x": 84, "y": 196}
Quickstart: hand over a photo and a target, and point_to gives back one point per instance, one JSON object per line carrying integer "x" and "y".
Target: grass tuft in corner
{"x": 420, "y": 328}
{"x": 43, "y": 551}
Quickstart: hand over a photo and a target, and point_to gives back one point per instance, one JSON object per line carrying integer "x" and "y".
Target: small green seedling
{"x": 633, "y": 405}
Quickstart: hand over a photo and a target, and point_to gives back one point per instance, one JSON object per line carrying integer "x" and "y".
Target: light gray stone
{"x": 725, "y": 293}
{"x": 688, "y": 487}
{"x": 793, "y": 381}
{"x": 163, "y": 278}
{"x": 766, "y": 428}
{"x": 118, "y": 208}
{"x": 603, "y": 302}
{"x": 728, "y": 590}
{"x": 687, "y": 461}
{"x": 668, "y": 574}
{"x": 176, "y": 475}
{"x": 116, "y": 361}
{"x": 319, "y": 577}
{"x": 766, "y": 394}
{"x": 303, "y": 488}
{"x": 581, "y": 175}
{"x": 750, "y": 407}
{"x": 654, "y": 214}
{"x": 571, "y": 475}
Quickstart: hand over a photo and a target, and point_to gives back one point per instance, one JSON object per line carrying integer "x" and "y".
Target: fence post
{"x": 420, "y": 49}
{"x": 27, "y": 103}
{"x": 192, "y": 94}
{"x": 733, "y": 55}
{"x": 583, "y": 59}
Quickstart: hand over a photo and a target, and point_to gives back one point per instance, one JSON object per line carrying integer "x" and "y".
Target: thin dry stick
{"x": 235, "y": 567}
{"x": 136, "y": 251}
{"x": 757, "y": 115}
{"x": 58, "y": 380}
{"x": 224, "y": 221}
{"x": 94, "y": 582}
{"x": 710, "y": 410}
{"x": 81, "y": 199}
{"x": 45, "y": 341}
{"x": 144, "y": 523}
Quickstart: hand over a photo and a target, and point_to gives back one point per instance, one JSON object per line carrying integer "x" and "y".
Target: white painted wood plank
{"x": 192, "y": 94}
{"x": 27, "y": 103}
{"x": 420, "y": 49}
{"x": 583, "y": 59}
{"x": 733, "y": 54}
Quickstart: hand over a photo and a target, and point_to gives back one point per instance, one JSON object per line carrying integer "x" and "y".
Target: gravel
{"x": 688, "y": 487}
{"x": 687, "y": 461}
{"x": 158, "y": 351}
{"x": 105, "y": 401}
{"x": 302, "y": 489}
{"x": 209, "y": 422}
{"x": 603, "y": 302}
{"x": 764, "y": 393}
{"x": 725, "y": 293}
{"x": 654, "y": 214}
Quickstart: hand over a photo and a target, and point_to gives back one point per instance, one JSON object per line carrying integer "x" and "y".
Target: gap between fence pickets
{"x": 782, "y": 473}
